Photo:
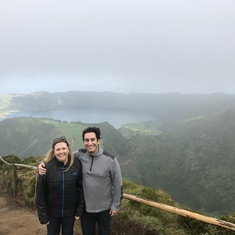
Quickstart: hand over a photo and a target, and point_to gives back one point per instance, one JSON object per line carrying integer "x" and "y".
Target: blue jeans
{"x": 58, "y": 223}
{"x": 89, "y": 221}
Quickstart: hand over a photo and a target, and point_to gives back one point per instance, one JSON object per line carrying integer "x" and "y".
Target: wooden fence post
{"x": 16, "y": 180}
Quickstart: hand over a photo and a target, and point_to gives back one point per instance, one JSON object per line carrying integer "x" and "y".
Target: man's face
{"x": 91, "y": 143}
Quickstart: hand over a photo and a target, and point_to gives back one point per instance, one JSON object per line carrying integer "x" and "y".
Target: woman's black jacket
{"x": 59, "y": 193}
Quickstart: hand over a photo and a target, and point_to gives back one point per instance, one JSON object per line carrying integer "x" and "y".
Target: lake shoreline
{"x": 116, "y": 119}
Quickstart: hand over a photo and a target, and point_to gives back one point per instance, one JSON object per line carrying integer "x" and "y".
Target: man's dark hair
{"x": 96, "y": 130}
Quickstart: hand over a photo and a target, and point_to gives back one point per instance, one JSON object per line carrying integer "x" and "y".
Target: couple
{"x": 85, "y": 185}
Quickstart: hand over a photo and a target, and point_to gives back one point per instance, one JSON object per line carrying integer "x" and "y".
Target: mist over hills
{"x": 187, "y": 149}
{"x": 161, "y": 106}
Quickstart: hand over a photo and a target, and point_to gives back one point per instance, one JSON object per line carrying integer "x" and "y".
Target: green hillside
{"x": 191, "y": 160}
{"x": 133, "y": 218}
{"x": 187, "y": 150}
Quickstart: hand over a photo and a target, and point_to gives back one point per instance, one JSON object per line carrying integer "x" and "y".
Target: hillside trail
{"x": 16, "y": 218}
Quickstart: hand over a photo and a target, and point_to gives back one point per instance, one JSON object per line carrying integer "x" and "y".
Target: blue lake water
{"x": 116, "y": 119}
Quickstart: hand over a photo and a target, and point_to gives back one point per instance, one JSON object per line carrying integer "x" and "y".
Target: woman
{"x": 59, "y": 194}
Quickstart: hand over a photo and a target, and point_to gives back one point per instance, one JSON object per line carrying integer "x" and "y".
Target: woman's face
{"x": 61, "y": 152}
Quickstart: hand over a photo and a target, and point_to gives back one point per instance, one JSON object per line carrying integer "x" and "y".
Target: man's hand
{"x": 112, "y": 212}
{"x": 41, "y": 169}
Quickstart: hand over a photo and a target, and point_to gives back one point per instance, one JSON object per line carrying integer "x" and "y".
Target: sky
{"x": 124, "y": 46}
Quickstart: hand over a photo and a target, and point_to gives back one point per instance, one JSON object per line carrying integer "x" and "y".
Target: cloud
{"x": 123, "y": 46}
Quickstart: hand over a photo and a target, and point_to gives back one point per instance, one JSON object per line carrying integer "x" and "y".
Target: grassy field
{"x": 72, "y": 131}
{"x": 146, "y": 128}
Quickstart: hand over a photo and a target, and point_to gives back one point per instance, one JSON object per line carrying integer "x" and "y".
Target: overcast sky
{"x": 148, "y": 46}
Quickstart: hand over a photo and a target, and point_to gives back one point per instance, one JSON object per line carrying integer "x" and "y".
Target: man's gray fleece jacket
{"x": 102, "y": 181}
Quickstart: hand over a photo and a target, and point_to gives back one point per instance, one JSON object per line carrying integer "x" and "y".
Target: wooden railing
{"x": 171, "y": 209}
{"x": 185, "y": 213}
{"x": 17, "y": 164}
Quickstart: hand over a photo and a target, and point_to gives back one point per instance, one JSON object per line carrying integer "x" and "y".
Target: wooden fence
{"x": 171, "y": 209}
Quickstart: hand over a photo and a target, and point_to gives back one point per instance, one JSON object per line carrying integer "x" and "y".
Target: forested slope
{"x": 192, "y": 160}
{"x": 133, "y": 218}
{"x": 187, "y": 149}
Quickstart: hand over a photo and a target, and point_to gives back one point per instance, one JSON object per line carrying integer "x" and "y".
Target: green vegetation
{"x": 22, "y": 186}
{"x": 190, "y": 160}
{"x": 187, "y": 150}
{"x": 133, "y": 218}
{"x": 29, "y": 136}
{"x": 145, "y": 128}
{"x": 72, "y": 131}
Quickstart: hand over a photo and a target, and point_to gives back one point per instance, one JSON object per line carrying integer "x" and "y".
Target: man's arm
{"x": 117, "y": 186}
{"x": 41, "y": 169}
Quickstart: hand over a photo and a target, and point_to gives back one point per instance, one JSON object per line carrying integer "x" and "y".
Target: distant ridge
{"x": 188, "y": 150}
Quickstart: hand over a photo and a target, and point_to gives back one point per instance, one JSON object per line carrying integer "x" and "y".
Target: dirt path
{"x": 16, "y": 219}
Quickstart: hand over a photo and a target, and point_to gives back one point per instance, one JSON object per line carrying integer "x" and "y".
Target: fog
{"x": 146, "y": 46}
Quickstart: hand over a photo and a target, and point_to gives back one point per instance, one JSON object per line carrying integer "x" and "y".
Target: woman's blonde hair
{"x": 50, "y": 154}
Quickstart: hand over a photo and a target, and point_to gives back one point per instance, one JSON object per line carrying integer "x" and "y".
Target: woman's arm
{"x": 41, "y": 199}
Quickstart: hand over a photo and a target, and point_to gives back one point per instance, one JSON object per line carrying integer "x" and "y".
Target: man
{"x": 102, "y": 184}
